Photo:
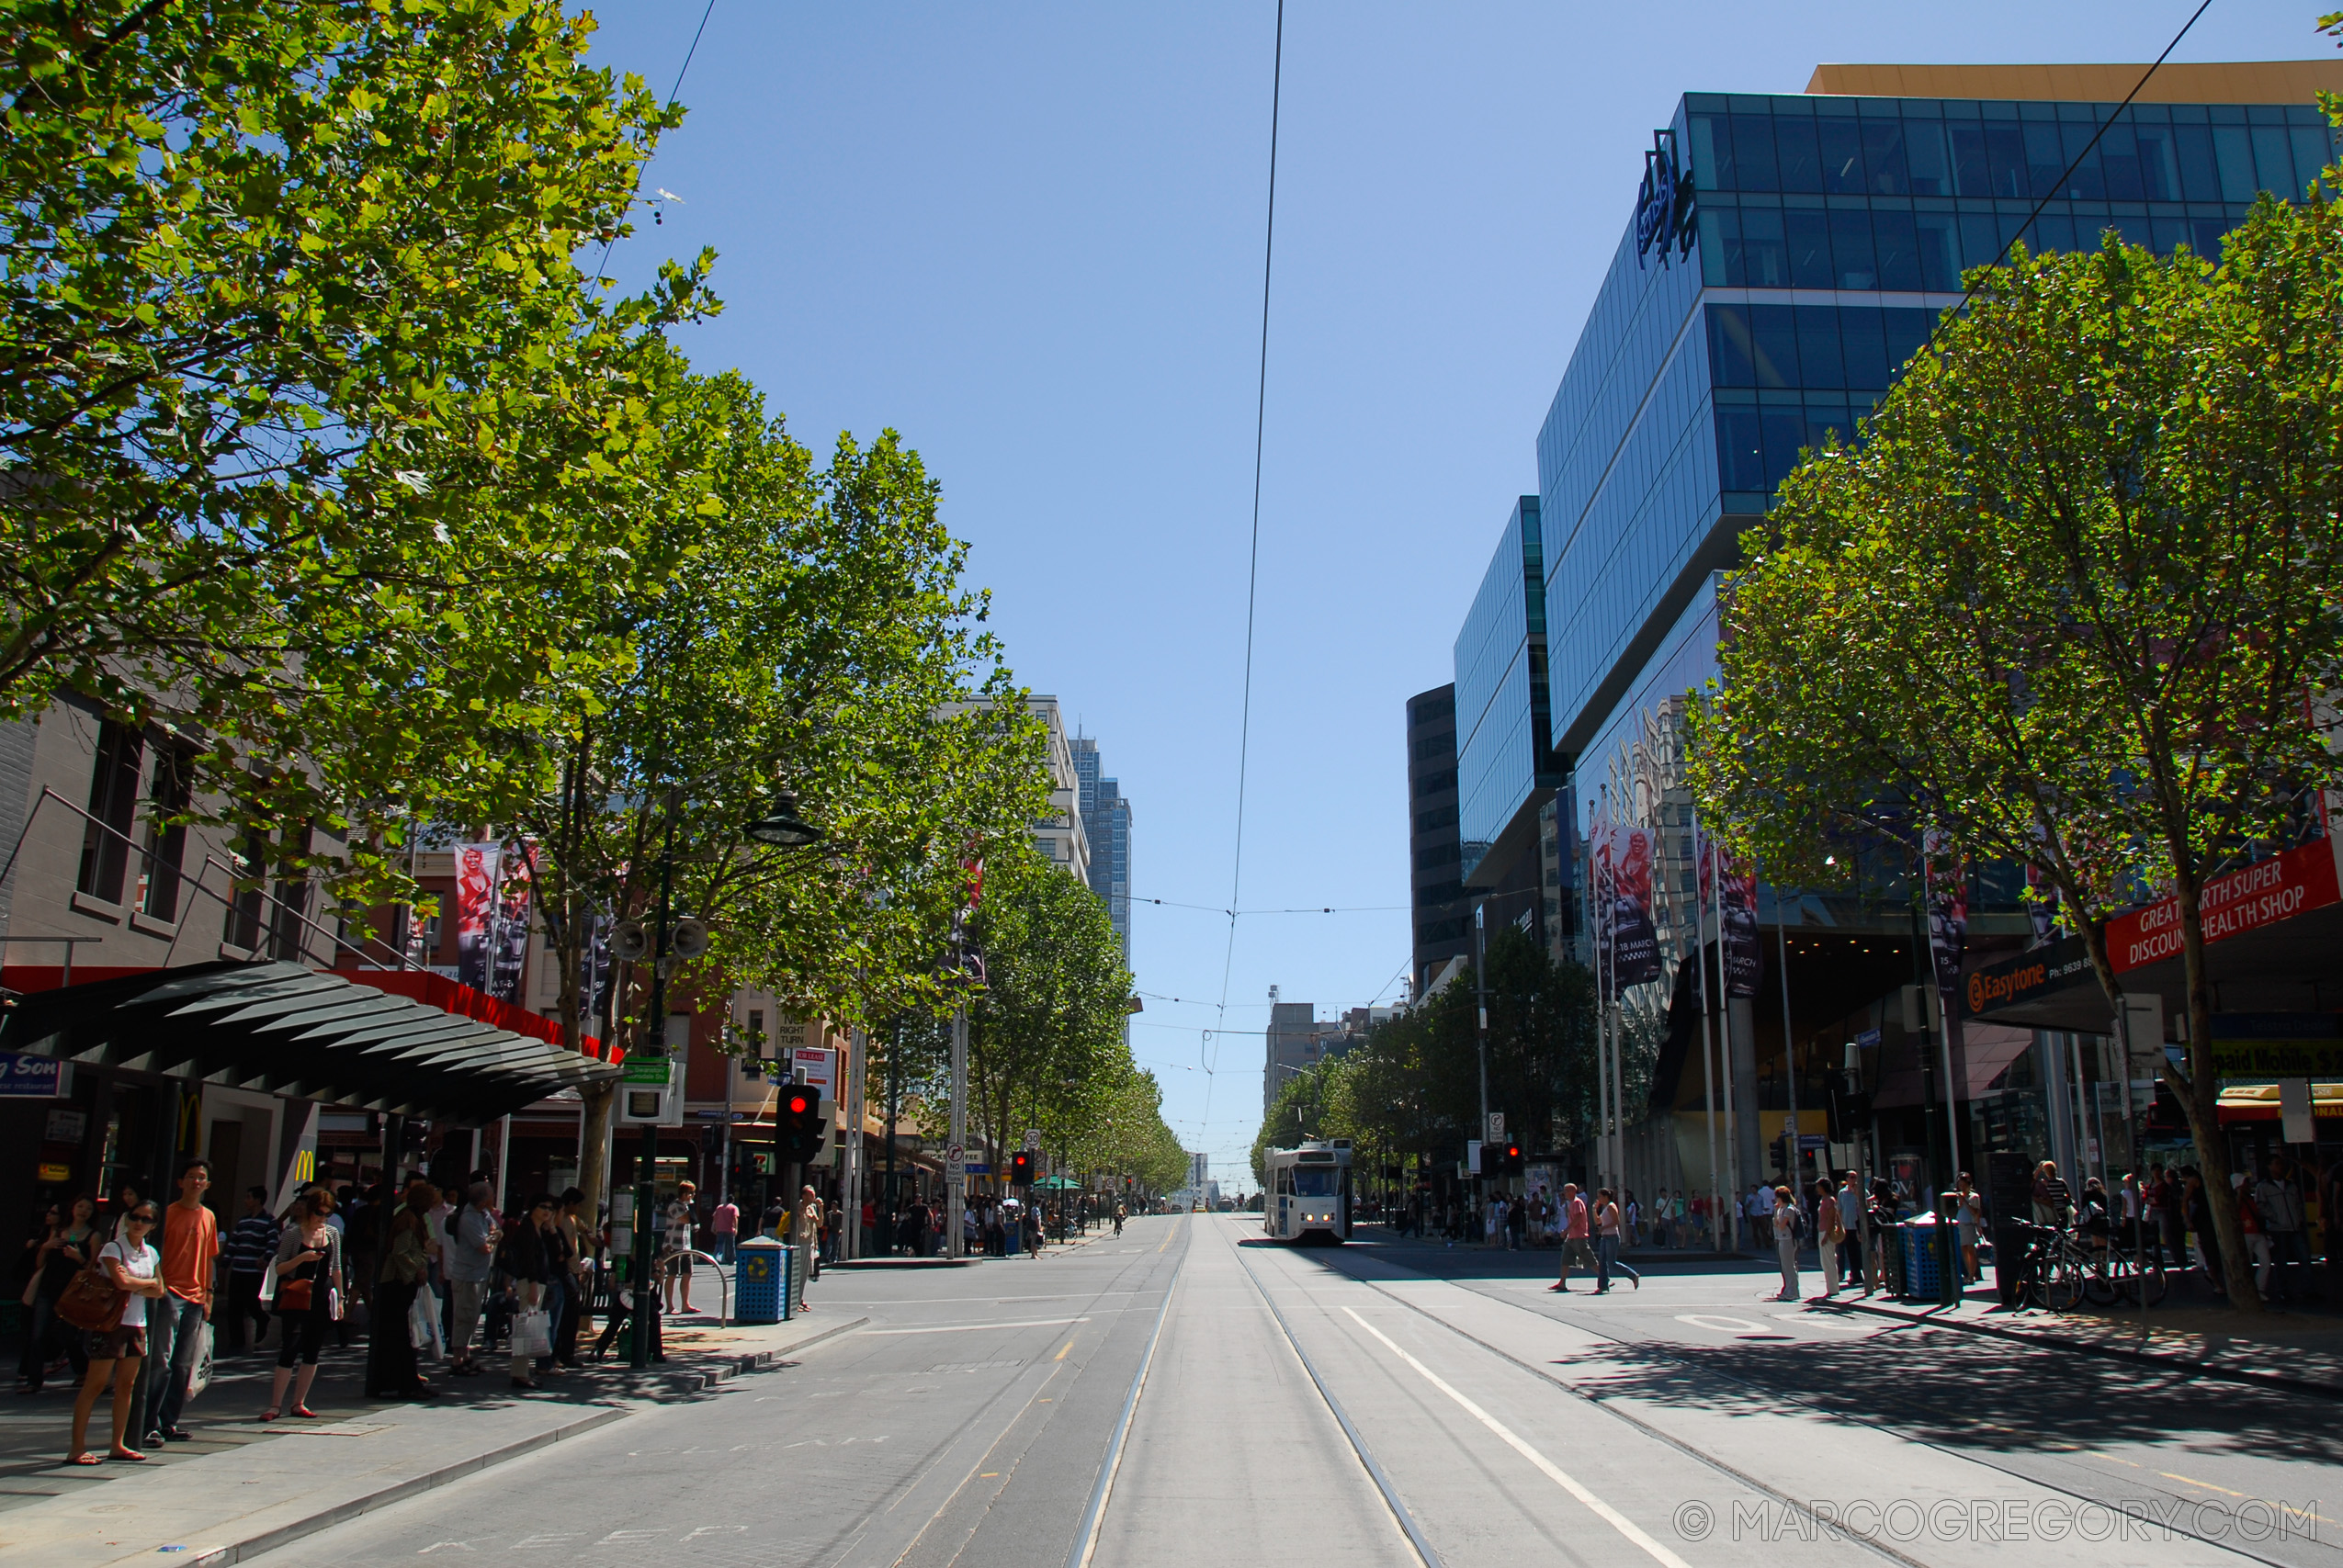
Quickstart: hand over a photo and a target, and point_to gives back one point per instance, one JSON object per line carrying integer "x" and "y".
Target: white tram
{"x": 1308, "y": 1193}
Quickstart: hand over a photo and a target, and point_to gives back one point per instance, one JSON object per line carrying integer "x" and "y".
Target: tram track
{"x": 1831, "y": 1527}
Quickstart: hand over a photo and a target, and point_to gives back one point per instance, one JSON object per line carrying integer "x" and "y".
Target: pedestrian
{"x": 1829, "y": 1234}
{"x": 133, "y": 1267}
{"x": 2281, "y": 1200}
{"x": 70, "y": 1243}
{"x": 2255, "y": 1229}
{"x": 1517, "y": 1220}
{"x": 1968, "y": 1214}
{"x": 176, "y": 1324}
{"x": 251, "y": 1248}
{"x": 678, "y": 1240}
{"x": 1784, "y": 1222}
{"x": 306, "y": 1279}
{"x": 2052, "y": 1198}
{"x": 408, "y": 1250}
{"x": 465, "y": 1256}
{"x": 1609, "y": 1225}
{"x": 1879, "y": 1232}
{"x": 521, "y": 1253}
{"x": 1121, "y": 1214}
{"x": 577, "y": 1276}
{"x": 1635, "y": 1211}
{"x": 1759, "y": 1210}
{"x": 1575, "y": 1249}
{"x": 724, "y": 1226}
{"x": 1852, "y": 1211}
{"x": 560, "y": 1259}
{"x": 1033, "y": 1232}
{"x": 808, "y": 1231}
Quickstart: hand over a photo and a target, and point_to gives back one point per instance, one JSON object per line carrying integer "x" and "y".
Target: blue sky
{"x": 1029, "y": 237}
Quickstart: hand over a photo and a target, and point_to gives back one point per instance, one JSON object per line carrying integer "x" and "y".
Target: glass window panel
{"x": 2159, "y": 174}
{"x": 2118, "y": 163}
{"x": 1884, "y": 158}
{"x": 1794, "y": 145}
{"x": 2311, "y": 156}
{"x": 1806, "y": 233}
{"x": 1898, "y": 246}
{"x": 1981, "y": 239}
{"x": 1843, "y": 155}
{"x": 1712, "y": 154}
{"x": 1852, "y": 256}
{"x": 2276, "y": 157}
{"x": 1753, "y": 152}
{"x": 1972, "y": 172}
{"x": 1861, "y": 340}
{"x": 2235, "y": 152}
{"x": 1939, "y": 239}
{"x": 2087, "y": 183}
{"x": 1741, "y": 449}
{"x": 1905, "y": 330}
{"x": 1818, "y": 361}
{"x": 1720, "y": 245}
{"x": 2006, "y": 145}
{"x": 2199, "y": 172}
{"x": 2133, "y": 226}
{"x": 2168, "y": 235}
{"x": 2208, "y": 232}
{"x": 1824, "y": 420}
{"x": 2052, "y": 232}
{"x": 1728, "y": 346}
{"x": 1765, "y": 260}
{"x": 1924, "y": 151}
{"x": 1785, "y": 432}
{"x": 2045, "y": 157}
{"x": 1773, "y": 346}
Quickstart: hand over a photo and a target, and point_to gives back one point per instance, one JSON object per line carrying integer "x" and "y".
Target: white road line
{"x": 1553, "y": 1472}
{"x": 954, "y": 1327}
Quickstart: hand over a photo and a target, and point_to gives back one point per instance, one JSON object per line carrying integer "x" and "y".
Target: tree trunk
{"x": 2200, "y": 1096}
{"x": 600, "y": 1101}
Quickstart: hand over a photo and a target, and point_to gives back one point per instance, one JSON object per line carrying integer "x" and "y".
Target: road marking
{"x": 1061, "y": 1355}
{"x": 2206, "y": 1484}
{"x": 1553, "y": 1472}
{"x": 957, "y": 1328}
{"x": 1717, "y": 1323}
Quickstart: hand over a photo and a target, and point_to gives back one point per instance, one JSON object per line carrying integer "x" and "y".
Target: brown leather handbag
{"x": 91, "y": 1300}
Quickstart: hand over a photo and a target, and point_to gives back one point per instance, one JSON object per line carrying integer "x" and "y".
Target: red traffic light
{"x": 799, "y": 1104}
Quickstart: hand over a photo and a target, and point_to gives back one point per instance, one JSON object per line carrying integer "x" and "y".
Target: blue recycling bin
{"x": 759, "y": 1275}
{"x": 1922, "y": 1265}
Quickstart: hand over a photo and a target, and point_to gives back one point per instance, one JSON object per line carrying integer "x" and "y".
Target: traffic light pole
{"x": 654, "y": 1036}
{"x": 955, "y": 1196}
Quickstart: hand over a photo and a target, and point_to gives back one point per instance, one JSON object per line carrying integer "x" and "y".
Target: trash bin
{"x": 1922, "y": 1266}
{"x": 757, "y": 1277}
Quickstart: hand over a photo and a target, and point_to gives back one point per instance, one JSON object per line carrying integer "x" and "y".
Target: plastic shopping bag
{"x": 532, "y": 1333}
{"x": 422, "y": 1325}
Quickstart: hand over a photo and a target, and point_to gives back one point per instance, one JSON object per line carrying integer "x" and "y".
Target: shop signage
{"x": 1664, "y": 206}
{"x": 646, "y": 1069}
{"x": 2300, "y": 880}
{"x": 817, "y": 1067}
{"x": 2027, "y": 976}
{"x": 2277, "y": 1045}
{"x": 30, "y": 1078}
{"x": 52, "y": 1173}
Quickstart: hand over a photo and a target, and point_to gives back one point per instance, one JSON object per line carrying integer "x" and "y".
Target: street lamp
{"x": 782, "y": 827}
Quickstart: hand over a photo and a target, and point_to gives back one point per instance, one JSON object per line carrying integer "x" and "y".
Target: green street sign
{"x": 639, "y": 1071}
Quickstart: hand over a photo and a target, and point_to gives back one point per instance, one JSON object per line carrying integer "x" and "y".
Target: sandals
{"x": 83, "y": 1458}
{"x": 269, "y": 1415}
{"x": 130, "y": 1455}
{"x": 305, "y": 1411}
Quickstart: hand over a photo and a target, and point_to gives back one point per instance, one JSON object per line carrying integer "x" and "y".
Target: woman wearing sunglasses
{"x": 134, "y": 1267}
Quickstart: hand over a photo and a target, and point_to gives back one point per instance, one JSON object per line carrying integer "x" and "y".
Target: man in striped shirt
{"x": 252, "y": 1245}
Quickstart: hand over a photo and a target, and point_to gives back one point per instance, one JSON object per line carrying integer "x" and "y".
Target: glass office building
{"x": 1798, "y": 251}
{"x": 1502, "y": 762}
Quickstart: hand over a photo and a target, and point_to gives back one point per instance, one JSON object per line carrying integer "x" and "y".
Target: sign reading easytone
{"x": 30, "y": 1078}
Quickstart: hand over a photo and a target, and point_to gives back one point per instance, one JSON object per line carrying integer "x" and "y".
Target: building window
{"x": 113, "y": 803}
{"x": 250, "y": 856}
{"x": 163, "y": 853}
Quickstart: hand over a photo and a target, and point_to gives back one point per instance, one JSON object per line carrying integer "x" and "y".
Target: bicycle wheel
{"x": 2063, "y": 1283}
{"x": 2097, "y": 1283}
{"x": 2154, "y": 1281}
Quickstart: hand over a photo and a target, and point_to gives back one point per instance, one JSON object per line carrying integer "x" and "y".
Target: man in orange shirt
{"x": 175, "y": 1324}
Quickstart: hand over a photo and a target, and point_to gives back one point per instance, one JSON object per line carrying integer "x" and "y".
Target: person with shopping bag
{"x": 522, "y": 1255}
{"x": 109, "y": 1299}
{"x": 408, "y": 1248}
{"x": 304, "y": 1286}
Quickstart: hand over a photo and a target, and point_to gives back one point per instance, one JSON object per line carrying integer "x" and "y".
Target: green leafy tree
{"x": 2066, "y": 604}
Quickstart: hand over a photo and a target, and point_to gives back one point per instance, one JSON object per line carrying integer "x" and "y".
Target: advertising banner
{"x": 1731, "y": 890}
{"x": 1948, "y": 923}
{"x": 1622, "y": 875}
{"x": 2262, "y": 894}
{"x": 2277, "y": 1045}
{"x": 493, "y": 891}
{"x": 595, "y": 965}
{"x": 820, "y": 1065}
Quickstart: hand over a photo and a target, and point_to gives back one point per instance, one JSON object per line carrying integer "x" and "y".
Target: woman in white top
{"x": 135, "y": 1267}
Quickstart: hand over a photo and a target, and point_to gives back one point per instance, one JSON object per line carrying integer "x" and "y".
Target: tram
{"x": 1308, "y": 1193}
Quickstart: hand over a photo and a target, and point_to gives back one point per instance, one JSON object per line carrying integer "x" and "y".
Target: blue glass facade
{"x": 1501, "y": 710}
{"x": 1827, "y": 233}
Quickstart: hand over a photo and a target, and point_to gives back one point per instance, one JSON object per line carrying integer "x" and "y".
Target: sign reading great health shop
{"x": 2295, "y": 882}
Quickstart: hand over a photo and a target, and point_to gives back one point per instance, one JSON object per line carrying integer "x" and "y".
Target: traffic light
{"x": 799, "y": 1128}
{"x": 1512, "y": 1159}
{"x": 1021, "y": 1169}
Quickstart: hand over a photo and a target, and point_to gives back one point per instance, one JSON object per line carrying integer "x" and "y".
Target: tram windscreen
{"x": 1314, "y": 1182}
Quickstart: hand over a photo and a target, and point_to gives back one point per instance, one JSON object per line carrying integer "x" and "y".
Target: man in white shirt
{"x": 1850, "y": 1218}
{"x": 1760, "y": 1210}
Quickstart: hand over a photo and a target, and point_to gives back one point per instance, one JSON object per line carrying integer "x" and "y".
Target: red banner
{"x": 2279, "y": 888}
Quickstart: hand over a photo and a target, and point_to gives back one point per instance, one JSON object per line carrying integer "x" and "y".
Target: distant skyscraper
{"x": 1106, "y": 822}
{"x": 1443, "y": 914}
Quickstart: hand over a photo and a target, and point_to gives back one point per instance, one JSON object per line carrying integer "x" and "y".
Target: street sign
{"x": 1496, "y": 1127}
{"x": 1033, "y": 1140}
{"x": 652, "y": 1070}
{"x": 956, "y": 1160}
{"x": 975, "y": 1168}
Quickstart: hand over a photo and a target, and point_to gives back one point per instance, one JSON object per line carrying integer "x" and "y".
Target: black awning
{"x": 280, "y": 1029}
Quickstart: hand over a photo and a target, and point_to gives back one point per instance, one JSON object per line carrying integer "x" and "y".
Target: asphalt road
{"x": 1395, "y": 1405}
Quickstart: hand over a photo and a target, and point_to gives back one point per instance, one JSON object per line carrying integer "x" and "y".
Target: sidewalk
{"x": 240, "y": 1488}
{"x": 2301, "y": 1353}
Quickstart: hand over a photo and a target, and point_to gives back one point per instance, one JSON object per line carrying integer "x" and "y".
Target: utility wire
{"x": 1312, "y": 910}
{"x": 601, "y": 266}
{"x": 2026, "y": 227}
{"x": 1252, "y": 568}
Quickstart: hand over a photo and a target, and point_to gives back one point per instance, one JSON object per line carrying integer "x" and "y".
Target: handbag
{"x": 533, "y": 1333}
{"x": 92, "y": 1301}
{"x": 295, "y": 1295}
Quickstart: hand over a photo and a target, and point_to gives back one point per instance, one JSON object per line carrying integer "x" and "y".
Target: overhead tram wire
{"x": 681, "y": 72}
{"x": 1308, "y": 909}
{"x": 1252, "y": 567}
{"x": 2068, "y": 175}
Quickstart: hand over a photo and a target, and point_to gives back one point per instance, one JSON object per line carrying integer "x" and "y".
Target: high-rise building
{"x": 1106, "y": 821}
{"x": 1438, "y": 909}
{"x": 1298, "y": 1040}
{"x": 1060, "y": 836}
